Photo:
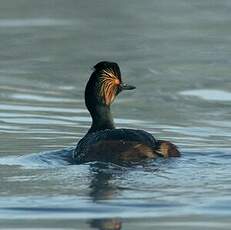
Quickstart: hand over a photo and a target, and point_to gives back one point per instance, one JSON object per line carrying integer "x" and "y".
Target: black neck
{"x": 100, "y": 112}
{"x": 101, "y": 118}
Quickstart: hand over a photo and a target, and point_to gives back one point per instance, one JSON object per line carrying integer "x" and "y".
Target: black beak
{"x": 126, "y": 86}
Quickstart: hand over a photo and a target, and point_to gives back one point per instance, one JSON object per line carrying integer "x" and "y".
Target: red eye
{"x": 117, "y": 81}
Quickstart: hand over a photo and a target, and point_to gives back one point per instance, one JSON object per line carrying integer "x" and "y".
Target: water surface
{"x": 177, "y": 53}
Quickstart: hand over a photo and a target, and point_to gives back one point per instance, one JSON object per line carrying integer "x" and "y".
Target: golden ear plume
{"x": 108, "y": 85}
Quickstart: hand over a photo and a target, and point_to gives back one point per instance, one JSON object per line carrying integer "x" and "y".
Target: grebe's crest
{"x": 108, "y": 82}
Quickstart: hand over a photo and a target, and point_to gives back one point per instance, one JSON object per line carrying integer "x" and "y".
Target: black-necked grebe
{"x": 104, "y": 142}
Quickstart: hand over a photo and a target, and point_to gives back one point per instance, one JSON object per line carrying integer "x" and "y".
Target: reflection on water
{"x": 102, "y": 188}
{"x": 106, "y": 224}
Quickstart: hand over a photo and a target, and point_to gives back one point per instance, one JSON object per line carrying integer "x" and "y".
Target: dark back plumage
{"x": 84, "y": 148}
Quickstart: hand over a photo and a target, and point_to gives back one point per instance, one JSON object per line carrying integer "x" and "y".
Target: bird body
{"x": 116, "y": 145}
{"x": 104, "y": 142}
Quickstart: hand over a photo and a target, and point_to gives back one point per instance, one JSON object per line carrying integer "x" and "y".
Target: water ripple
{"x": 35, "y": 22}
{"x": 209, "y": 94}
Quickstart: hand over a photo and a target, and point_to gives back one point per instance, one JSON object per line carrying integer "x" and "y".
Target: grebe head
{"x": 104, "y": 84}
